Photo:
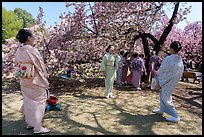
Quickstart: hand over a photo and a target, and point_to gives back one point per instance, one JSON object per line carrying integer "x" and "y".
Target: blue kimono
{"x": 169, "y": 74}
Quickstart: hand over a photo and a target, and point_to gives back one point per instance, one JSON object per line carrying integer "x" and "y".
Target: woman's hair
{"x": 126, "y": 54}
{"x": 141, "y": 55}
{"x": 122, "y": 52}
{"x": 23, "y": 34}
{"x": 135, "y": 55}
{"x": 176, "y": 46}
{"x": 107, "y": 50}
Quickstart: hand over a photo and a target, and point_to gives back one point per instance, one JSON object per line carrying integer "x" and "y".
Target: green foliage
{"x": 3, "y": 35}
{"x": 28, "y": 20}
{"x": 12, "y": 22}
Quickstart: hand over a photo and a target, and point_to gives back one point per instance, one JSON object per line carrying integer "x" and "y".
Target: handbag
{"x": 25, "y": 70}
{"x": 155, "y": 84}
{"x": 52, "y": 100}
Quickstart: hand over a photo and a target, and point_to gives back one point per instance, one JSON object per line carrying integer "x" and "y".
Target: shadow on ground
{"x": 96, "y": 108}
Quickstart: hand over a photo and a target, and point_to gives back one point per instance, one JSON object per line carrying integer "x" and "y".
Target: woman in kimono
{"x": 128, "y": 78}
{"x": 119, "y": 70}
{"x": 125, "y": 62}
{"x": 137, "y": 68}
{"x": 168, "y": 75}
{"x": 154, "y": 64}
{"x": 143, "y": 77}
{"x": 109, "y": 67}
{"x": 33, "y": 89}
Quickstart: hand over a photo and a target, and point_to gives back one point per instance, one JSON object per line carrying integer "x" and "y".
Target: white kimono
{"x": 110, "y": 66}
{"x": 169, "y": 74}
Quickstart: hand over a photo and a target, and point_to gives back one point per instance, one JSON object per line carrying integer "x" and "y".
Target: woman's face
{"x": 171, "y": 51}
{"x": 111, "y": 50}
{"x": 31, "y": 40}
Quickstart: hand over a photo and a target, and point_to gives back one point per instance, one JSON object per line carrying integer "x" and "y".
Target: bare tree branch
{"x": 150, "y": 36}
{"x": 89, "y": 29}
{"x": 167, "y": 30}
{"x": 169, "y": 27}
{"x": 95, "y": 26}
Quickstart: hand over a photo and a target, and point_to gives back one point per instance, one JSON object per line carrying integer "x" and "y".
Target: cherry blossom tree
{"x": 191, "y": 41}
{"x": 81, "y": 37}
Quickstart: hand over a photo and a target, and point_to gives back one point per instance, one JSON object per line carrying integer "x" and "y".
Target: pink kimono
{"x": 33, "y": 90}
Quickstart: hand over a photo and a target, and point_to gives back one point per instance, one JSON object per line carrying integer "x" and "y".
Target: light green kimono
{"x": 109, "y": 65}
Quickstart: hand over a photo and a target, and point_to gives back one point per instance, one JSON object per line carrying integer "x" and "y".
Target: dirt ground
{"x": 87, "y": 112}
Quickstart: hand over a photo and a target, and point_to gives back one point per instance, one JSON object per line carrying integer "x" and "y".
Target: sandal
{"x": 29, "y": 127}
{"x": 42, "y": 131}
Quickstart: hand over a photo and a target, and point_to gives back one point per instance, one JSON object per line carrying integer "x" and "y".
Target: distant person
{"x": 109, "y": 67}
{"x": 200, "y": 67}
{"x": 168, "y": 76}
{"x": 143, "y": 77}
{"x": 154, "y": 64}
{"x": 189, "y": 63}
{"x": 119, "y": 69}
{"x": 137, "y": 68}
{"x": 185, "y": 70}
{"x": 128, "y": 78}
{"x": 125, "y": 62}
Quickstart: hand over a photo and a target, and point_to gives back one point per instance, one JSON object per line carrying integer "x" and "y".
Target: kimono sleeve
{"x": 165, "y": 73}
{"x": 120, "y": 64}
{"x": 37, "y": 60}
{"x": 103, "y": 63}
{"x": 163, "y": 66}
{"x": 118, "y": 58}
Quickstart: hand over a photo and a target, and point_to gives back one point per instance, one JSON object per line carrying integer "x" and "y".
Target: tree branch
{"x": 93, "y": 19}
{"x": 89, "y": 29}
{"x": 150, "y": 36}
{"x": 148, "y": 9}
{"x": 44, "y": 40}
{"x": 169, "y": 27}
{"x": 167, "y": 30}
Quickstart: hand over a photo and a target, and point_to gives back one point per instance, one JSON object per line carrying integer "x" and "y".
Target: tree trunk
{"x": 157, "y": 43}
{"x": 146, "y": 46}
{"x": 147, "y": 55}
{"x": 167, "y": 30}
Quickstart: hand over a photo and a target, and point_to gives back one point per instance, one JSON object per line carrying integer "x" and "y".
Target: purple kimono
{"x": 138, "y": 67}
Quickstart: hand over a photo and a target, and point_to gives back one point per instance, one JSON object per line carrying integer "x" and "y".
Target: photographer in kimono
{"x": 168, "y": 75}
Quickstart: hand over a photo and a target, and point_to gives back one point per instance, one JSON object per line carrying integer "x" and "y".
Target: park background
{"x": 85, "y": 111}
